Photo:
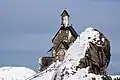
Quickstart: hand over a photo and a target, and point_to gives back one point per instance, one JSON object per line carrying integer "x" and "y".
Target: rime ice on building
{"x": 65, "y": 36}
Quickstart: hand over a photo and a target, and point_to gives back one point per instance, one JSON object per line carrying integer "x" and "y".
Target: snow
{"x": 115, "y": 76}
{"x": 82, "y": 74}
{"x": 15, "y": 73}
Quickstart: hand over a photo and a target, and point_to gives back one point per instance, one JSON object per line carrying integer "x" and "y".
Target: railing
{"x": 41, "y": 73}
{"x": 53, "y": 67}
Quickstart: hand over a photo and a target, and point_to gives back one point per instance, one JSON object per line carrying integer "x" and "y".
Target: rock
{"x": 97, "y": 56}
{"x": 45, "y": 62}
{"x": 90, "y": 53}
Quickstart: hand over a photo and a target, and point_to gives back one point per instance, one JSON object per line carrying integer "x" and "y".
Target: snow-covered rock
{"x": 90, "y": 53}
{"x": 86, "y": 59}
{"x": 15, "y": 73}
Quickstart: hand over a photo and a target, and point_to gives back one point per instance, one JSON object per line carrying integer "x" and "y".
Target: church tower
{"x": 65, "y": 18}
{"x": 62, "y": 40}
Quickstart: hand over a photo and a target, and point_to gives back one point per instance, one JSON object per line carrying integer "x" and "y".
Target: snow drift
{"x": 15, "y": 73}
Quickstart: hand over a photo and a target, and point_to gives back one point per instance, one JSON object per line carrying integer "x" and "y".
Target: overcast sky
{"x": 27, "y": 27}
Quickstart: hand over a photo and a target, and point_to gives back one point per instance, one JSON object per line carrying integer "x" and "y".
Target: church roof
{"x": 73, "y": 32}
{"x": 65, "y": 13}
{"x": 50, "y": 49}
{"x": 65, "y": 44}
{"x": 70, "y": 28}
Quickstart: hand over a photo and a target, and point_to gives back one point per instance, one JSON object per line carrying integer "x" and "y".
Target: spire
{"x": 65, "y": 18}
{"x": 65, "y": 13}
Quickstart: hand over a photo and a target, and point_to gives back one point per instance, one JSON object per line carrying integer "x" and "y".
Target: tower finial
{"x": 65, "y": 18}
{"x": 65, "y": 13}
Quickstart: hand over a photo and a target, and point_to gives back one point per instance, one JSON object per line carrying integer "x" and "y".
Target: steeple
{"x": 65, "y": 18}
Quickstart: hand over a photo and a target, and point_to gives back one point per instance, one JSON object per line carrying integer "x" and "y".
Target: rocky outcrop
{"x": 90, "y": 53}
{"x": 97, "y": 56}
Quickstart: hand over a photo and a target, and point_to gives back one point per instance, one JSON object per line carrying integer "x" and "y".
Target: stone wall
{"x": 45, "y": 62}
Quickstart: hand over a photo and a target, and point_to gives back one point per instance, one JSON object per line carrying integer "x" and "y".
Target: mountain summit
{"x": 87, "y": 58}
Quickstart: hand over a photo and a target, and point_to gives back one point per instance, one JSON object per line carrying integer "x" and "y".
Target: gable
{"x": 62, "y": 45}
{"x": 62, "y": 28}
{"x": 70, "y": 28}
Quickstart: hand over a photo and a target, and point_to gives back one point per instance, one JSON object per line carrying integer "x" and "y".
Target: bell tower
{"x": 65, "y": 19}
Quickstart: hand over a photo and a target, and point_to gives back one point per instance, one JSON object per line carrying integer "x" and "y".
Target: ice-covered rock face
{"x": 90, "y": 53}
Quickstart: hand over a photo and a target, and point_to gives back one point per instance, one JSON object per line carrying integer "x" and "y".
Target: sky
{"x": 27, "y": 27}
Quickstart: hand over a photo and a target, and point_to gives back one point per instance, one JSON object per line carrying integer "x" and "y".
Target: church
{"x": 62, "y": 40}
{"x": 65, "y": 36}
